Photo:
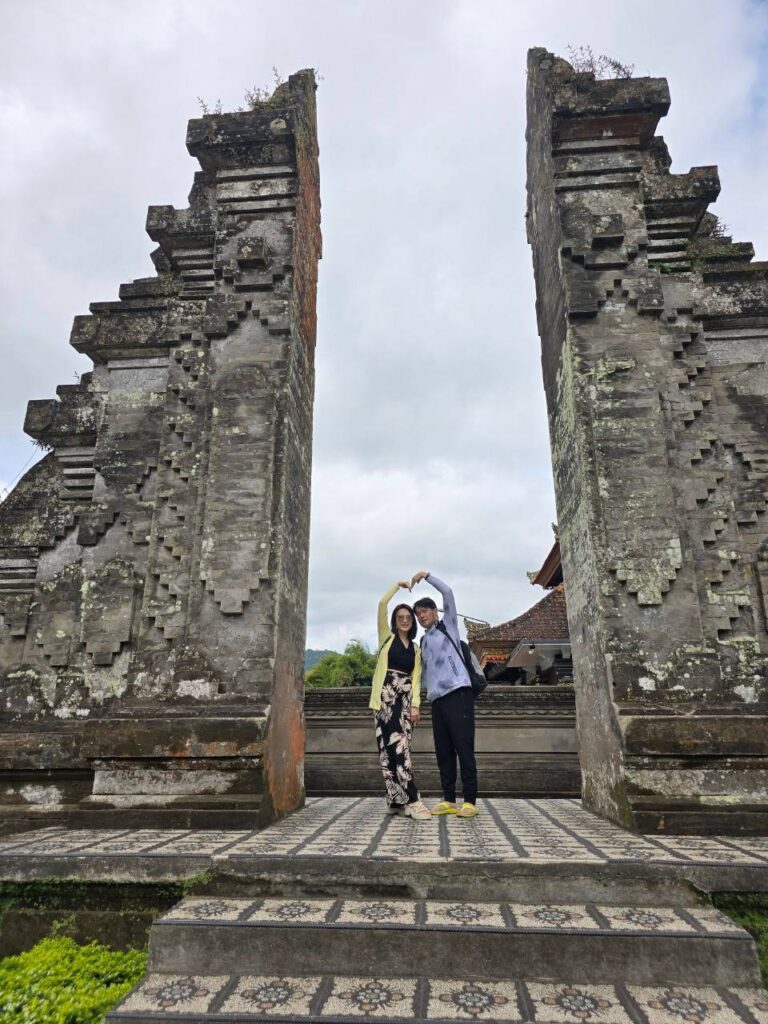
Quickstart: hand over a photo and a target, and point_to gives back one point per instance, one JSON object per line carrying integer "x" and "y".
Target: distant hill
{"x": 311, "y": 658}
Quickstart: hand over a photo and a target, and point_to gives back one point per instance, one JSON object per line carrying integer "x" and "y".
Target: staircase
{"x": 295, "y": 928}
{"x": 525, "y": 735}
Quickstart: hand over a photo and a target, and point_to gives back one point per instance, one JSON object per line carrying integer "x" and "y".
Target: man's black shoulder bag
{"x": 478, "y": 680}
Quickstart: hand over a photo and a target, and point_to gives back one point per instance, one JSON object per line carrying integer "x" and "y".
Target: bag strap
{"x": 441, "y": 626}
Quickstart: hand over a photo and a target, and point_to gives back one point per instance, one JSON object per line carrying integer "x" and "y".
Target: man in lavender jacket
{"x": 449, "y": 690}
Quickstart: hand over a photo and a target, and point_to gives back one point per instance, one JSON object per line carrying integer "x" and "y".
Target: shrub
{"x": 710, "y": 226}
{"x": 59, "y": 982}
{"x": 601, "y": 65}
{"x": 352, "y": 668}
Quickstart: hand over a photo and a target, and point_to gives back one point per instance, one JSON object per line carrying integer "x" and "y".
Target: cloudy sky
{"x": 430, "y": 429}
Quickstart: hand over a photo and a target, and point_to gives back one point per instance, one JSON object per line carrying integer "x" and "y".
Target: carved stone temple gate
{"x": 654, "y": 331}
{"x": 153, "y": 565}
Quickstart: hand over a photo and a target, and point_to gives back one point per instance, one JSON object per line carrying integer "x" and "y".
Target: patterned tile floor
{"x": 439, "y": 915}
{"x": 504, "y": 831}
{"x": 402, "y": 999}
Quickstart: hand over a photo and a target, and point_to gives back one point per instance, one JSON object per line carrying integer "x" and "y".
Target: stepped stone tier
{"x": 654, "y": 332}
{"x": 534, "y": 911}
{"x": 525, "y": 741}
{"x": 153, "y": 565}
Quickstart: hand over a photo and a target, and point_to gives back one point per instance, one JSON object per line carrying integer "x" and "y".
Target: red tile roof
{"x": 546, "y": 620}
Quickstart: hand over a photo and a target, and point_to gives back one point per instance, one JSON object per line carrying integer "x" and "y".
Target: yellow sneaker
{"x": 467, "y": 811}
{"x": 445, "y": 808}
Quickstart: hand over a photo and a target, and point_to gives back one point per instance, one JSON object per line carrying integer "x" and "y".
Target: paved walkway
{"x": 530, "y": 913}
{"x": 506, "y": 831}
{"x": 309, "y": 999}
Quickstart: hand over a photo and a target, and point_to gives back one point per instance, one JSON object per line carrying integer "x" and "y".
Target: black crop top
{"x": 401, "y": 659}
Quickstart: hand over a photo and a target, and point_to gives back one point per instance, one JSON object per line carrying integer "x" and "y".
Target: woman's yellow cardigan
{"x": 386, "y": 636}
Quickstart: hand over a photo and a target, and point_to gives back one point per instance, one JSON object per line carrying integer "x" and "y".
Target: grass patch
{"x": 750, "y": 910}
{"x": 59, "y": 982}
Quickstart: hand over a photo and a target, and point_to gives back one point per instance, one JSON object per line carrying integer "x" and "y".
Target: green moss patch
{"x": 59, "y": 982}
{"x": 117, "y": 914}
{"x": 750, "y": 910}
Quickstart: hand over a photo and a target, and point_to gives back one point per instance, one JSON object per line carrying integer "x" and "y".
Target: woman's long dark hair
{"x": 393, "y": 621}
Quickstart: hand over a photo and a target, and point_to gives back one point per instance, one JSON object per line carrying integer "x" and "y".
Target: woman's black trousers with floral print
{"x": 393, "y": 735}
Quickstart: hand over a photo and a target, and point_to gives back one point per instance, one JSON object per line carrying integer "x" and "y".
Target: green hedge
{"x": 59, "y": 982}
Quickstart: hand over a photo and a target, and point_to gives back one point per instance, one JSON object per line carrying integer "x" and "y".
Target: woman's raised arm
{"x": 383, "y": 619}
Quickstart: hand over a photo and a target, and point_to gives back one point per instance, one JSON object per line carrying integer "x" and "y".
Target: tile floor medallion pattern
{"x": 555, "y": 917}
{"x": 436, "y": 1000}
{"x": 272, "y": 997}
{"x": 473, "y": 1000}
{"x": 645, "y": 919}
{"x": 377, "y": 912}
{"x": 430, "y": 915}
{"x": 175, "y": 993}
{"x": 388, "y": 998}
{"x": 681, "y": 1005}
{"x": 207, "y": 908}
{"x": 462, "y": 915}
{"x": 303, "y": 911}
{"x": 562, "y": 1004}
{"x": 506, "y": 830}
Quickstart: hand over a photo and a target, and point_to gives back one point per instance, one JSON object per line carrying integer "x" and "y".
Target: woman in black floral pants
{"x": 395, "y": 700}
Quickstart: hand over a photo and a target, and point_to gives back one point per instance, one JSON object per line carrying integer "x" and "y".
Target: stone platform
{"x": 350, "y": 843}
{"x": 535, "y": 912}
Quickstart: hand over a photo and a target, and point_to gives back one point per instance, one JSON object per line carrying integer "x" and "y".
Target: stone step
{"x": 472, "y": 940}
{"x": 337, "y": 772}
{"x": 327, "y": 998}
{"x": 523, "y": 851}
{"x": 214, "y": 814}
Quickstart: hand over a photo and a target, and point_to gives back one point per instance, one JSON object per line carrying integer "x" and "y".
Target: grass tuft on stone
{"x": 60, "y": 982}
{"x": 750, "y": 910}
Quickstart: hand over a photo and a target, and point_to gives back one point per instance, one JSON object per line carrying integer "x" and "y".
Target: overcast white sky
{"x": 430, "y": 426}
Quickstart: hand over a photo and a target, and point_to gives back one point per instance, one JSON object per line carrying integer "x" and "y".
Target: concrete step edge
{"x": 601, "y": 957}
{"x": 439, "y": 915}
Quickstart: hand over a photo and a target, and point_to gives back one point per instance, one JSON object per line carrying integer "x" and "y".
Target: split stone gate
{"x": 654, "y": 331}
{"x": 153, "y": 565}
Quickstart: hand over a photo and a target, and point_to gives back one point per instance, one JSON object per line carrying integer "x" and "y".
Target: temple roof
{"x": 551, "y": 571}
{"x": 546, "y": 620}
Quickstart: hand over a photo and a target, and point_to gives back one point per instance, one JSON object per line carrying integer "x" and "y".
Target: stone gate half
{"x": 654, "y": 332}
{"x": 153, "y": 565}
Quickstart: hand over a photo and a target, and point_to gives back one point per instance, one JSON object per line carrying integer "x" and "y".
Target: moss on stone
{"x": 62, "y": 893}
{"x": 117, "y": 913}
{"x": 750, "y": 910}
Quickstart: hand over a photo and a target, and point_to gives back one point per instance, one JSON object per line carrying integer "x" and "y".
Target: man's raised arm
{"x": 450, "y": 618}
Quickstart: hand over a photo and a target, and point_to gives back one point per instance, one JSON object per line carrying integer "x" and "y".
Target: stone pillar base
{"x": 705, "y": 774}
